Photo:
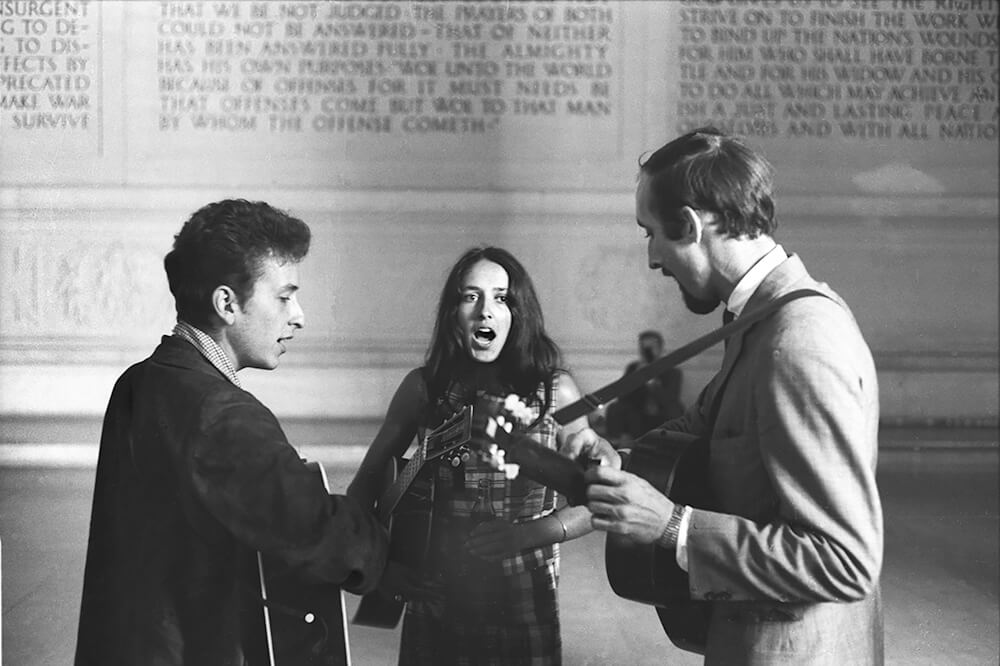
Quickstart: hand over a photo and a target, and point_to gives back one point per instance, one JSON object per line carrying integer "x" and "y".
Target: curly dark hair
{"x": 225, "y": 243}
{"x": 708, "y": 170}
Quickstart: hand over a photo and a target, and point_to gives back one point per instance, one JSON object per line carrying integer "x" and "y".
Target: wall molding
{"x": 522, "y": 202}
{"x": 952, "y": 436}
{"x": 57, "y": 351}
{"x": 59, "y": 361}
{"x": 924, "y": 389}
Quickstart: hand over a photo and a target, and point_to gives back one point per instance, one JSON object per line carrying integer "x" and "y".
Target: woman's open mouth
{"x": 484, "y": 336}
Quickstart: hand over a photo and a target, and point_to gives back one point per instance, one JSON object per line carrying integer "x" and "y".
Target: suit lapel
{"x": 729, "y": 357}
{"x": 719, "y": 381}
{"x": 779, "y": 281}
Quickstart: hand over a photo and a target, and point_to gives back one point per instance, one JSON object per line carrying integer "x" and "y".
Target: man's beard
{"x": 698, "y": 305}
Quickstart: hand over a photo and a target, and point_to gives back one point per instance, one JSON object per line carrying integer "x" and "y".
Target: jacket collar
{"x": 788, "y": 275}
{"x": 178, "y": 352}
{"x": 752, "y": 279}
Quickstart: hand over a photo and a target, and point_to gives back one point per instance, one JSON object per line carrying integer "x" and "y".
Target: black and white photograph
{"x": 499, "y": 332}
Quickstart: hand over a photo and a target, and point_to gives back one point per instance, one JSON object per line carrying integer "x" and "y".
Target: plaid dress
{"x": 494, "y": 613}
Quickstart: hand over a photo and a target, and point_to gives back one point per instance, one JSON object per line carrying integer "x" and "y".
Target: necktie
{"x": 727, "y": 317}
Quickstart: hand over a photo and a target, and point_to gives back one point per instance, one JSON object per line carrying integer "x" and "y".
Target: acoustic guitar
{"x": 304, "y": 624}
{"x": 674, "y": 463}
{"x": 406, "y": 508}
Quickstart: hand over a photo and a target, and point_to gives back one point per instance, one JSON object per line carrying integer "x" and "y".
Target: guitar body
{"x": 409, "y": 539}
{"x": 407, "y": 509}
{"x": 305, "y": 624}
{"x": 677, "y": 466}
{"x": 308, "y": 623}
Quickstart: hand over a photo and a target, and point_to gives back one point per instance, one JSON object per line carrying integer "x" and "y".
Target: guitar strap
{"x": 634, "y": 380}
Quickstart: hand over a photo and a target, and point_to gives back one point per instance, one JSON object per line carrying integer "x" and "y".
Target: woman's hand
{"x": 495, "y": 539}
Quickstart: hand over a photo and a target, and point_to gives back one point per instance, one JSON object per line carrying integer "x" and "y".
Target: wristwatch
{"x": 670, "y": 533}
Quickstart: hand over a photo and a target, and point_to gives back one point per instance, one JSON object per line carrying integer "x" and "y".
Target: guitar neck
{"x": 390, "y": 498}
{"x": 449, "y": 435}
{"x": 544, "y": 465}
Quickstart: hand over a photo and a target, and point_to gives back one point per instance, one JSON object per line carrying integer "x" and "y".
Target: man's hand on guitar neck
{"x": 623, "y": 503}
{"x": 620, "y": 502}
{"x": 588, "y": 445}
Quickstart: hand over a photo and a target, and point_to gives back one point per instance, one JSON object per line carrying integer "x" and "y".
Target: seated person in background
{"x": 656, "y": 401}
{"x": 488, "y": 592}
{"x": 195, "y": 475}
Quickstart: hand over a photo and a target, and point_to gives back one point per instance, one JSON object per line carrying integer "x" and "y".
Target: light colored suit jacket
{"x": 792, "y": 553}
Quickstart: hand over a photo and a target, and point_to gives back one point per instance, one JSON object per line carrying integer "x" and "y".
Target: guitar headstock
{"x": 495, "y": 435}
{"x": 496, "y": 418}
{"x": 449, "y": 439}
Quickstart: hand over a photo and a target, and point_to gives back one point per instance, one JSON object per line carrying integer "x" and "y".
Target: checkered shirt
{"x": 209, "y": 348}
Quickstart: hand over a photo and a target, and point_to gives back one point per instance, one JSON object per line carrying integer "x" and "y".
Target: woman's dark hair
{"x": 529, "y": 358}
{"x": 707, "y": 170}
{"x": 225, "y": 243}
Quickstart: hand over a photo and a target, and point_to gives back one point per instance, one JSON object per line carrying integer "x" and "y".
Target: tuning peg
{"x": 498, "y": 459}
{"x": 511, "y": 470}
{"x": 492, "y": 456}
{"x": 501, "y": 421}
{"x": 516, "y": 408}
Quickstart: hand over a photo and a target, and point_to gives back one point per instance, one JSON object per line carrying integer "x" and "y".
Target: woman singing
{"x": 487, "y": 591}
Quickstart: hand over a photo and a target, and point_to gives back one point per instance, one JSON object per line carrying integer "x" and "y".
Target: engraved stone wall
{"x": 849, "y": 96}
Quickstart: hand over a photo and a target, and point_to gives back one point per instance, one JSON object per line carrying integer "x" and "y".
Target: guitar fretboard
{"x": 452, "y": 433}
{"x": 395, "y": 492}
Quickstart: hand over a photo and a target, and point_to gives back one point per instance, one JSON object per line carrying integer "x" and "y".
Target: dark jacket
{"x": 194, "y": 476}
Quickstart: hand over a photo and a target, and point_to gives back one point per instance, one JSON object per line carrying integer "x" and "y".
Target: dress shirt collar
{"x": 208, "y": 347}
{"x": 752, "y": 279}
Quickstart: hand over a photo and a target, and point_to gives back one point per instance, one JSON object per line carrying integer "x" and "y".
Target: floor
{"x": 940, "y": 581}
